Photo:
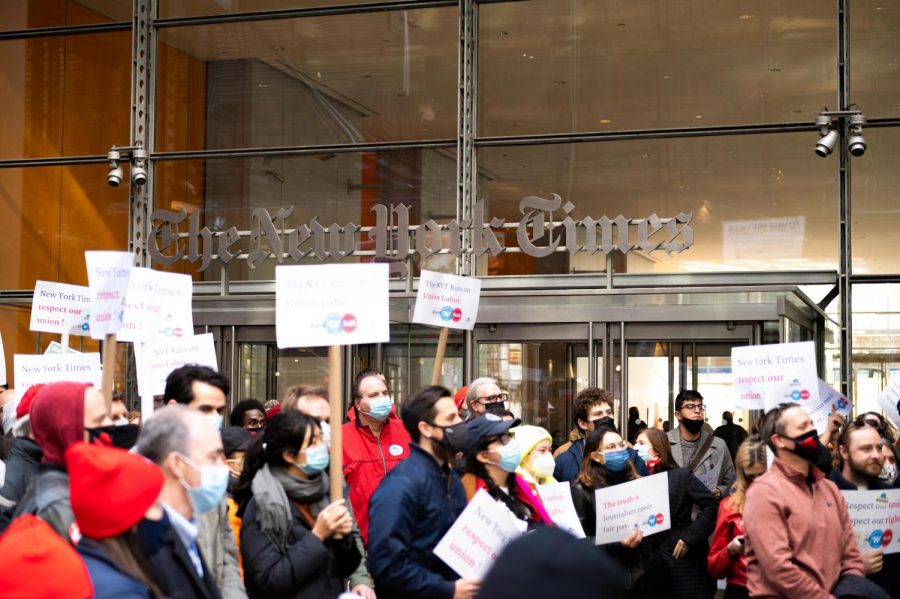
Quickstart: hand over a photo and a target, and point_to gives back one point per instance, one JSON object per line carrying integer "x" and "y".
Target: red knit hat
{"x": 460, "y": 397}
{"x": 38, "y": 563}
{"x": 273, "y": 411}
{"x": 25, "y": 403}
{"x": 57, "y": 419}
{"x": 110, "y": 489}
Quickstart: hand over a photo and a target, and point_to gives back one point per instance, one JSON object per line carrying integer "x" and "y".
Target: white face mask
{"x": 543, "y": 465}
{"x": 888, "y": 474}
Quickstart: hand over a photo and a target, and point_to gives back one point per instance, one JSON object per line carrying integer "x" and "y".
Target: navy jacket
{"x": 21, "y": 466}
{"x": 410, "y": 511}
{"x": 568, "y": 463}
{"x": 171, "y": 563}
{"x": 109, "y": 582}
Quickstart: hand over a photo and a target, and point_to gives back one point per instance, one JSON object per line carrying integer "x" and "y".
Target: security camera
{"x": 138, "y": 172}
{"x": 857, "y": 144}
{"x": 826, "y": 145}
{"x": 114, "y": 176}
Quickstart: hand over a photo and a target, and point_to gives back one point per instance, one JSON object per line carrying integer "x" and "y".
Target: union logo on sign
{"x": 876, "y": 538}
{"x": 446, "y": 313}
{"x": 457, "y": 315}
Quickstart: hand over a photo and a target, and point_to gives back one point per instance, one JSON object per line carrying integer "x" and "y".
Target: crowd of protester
{"x": 180, "y": 506}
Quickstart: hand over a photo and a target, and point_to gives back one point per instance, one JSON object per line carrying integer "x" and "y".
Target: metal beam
{"x": 141, "y": 197}
{"x": 845, "y": 268}
{"x": 466, "y": 165}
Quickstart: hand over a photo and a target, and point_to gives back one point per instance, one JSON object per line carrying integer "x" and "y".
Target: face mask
{"x": 888, "y": 474}
{"x": 216, "y": 419}
{"x": 380, "y": 407}
{"x": 121, "y": 436}
{"x": 213, "y": 484}
{"x": 316, "y": 460}
{"x": 121, "y": 421}
{"x": 326, "y": 433}
{"x": 543, "y": 465}
{"x": 456, "y": 436}
{"x": 616, "y": 460}
{"x": 510, "y": 456}
{"x": 692, "y": 426}
{"x": 605, "y": 422}
{"x": 643, "y": 452}
{"x": 807, "y": 446}
{"x": 497, "y": 408}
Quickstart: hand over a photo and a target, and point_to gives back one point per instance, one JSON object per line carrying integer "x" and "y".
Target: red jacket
{"x": 729, "y": 525}
{"x": 368, "y": 459}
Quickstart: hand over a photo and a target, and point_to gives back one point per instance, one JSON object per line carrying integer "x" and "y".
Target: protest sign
{"x": 60, "y": 308}
{"x": 331, "y": 304}
{"x": 34, "y": 369}
{"x": 889, "y": 400}
{"x": 166, "y": 354}
{"x": 447, "y": 300}
{"x": 641, "y": 503}
{"x": 157, "y": 305}
{"x": 2, "y": 363}
{"x": 472, "y": 544}
{"x": 875, "y": 517}
{"x": 766, "y": 375}
{"x": 108, "y": 274}
{"x": 557, "y": 498}
{"x": 56, "y": 347}
{"x": 710, "y": 479}
{"x": 830, "y": 402}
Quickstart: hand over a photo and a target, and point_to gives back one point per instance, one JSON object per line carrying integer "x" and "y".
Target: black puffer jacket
{"x": 308, "y": 569}
{"x": 21, "y": 468}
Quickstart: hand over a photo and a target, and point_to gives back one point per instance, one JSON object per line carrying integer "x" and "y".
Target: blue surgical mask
{"x": 380, "y": 407}
{"x": 316, "y": 460}
{"x": 616, "y": 460}
{"x": 213, "y": 484}
{"x": 510, "y": 456}
{"x": 643, "y": 452}
{"x": 216, "y": 419}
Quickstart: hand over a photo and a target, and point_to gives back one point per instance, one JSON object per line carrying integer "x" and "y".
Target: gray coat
{"x": 216, "y": 542}
{"x": 716, "y": 454}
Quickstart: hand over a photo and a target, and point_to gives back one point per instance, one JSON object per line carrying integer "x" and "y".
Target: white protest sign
{"x": 889, "y": 400}
{"x": 710, "y": 479}
{"x": 331, "y": 304}
{"x": 167, "y": 354}
{"x": 766, "y": 375}
{"x": 157, "y": 305}
{"x": 641, "y": 503}
{"x": 557, "y": 499}
{"x": 108, "y": 274}
{"x": 56, "y": 347}
{"x": 875, "y": 517}
{"x": 447, "y": 300}
{"x": 830, "y": 402}
{"x": 60, "y": 308}
{"x": 472, "y": 544}
{"x": 2, "y": 363}
{"x": 50, "y": 368}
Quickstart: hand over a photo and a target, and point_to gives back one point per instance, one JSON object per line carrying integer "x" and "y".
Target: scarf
{"x": 273, "y": 490}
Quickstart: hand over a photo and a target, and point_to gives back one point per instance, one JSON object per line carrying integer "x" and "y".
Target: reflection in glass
{"x": 876, "y": 342}
{"x": 169, "y": 9}
{"x": 344, "y": 79}
{"x": 758, "y": 202}
{"x": 554, "y": 66}
{"x": 34, "y": 14}
{"x": 876, "y": 215}
{"x": 875, "y": 57}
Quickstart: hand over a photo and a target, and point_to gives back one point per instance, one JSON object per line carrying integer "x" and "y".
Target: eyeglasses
{"x": 494, "y": 398}
{"x": 693, "y": 407}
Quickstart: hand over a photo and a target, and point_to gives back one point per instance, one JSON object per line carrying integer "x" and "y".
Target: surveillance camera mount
{"x": 829, "y": 120}
{"x": 138, "y": 157}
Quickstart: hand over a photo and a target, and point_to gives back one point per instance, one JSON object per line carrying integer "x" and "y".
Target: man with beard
{"x": 860, "y": 460}
{"x": 417, "y": 502}
{"x": 696, "y": 449}
{"x": 799, "y": 540}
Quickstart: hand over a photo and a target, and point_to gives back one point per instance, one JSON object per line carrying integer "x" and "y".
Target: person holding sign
{"x": 726, "y": 552}
{"x": 492, "y": 457}
{"x": 684, "y": 547}
{"x": 694, "y": 448}
{"x": 798, "y": 536}
{"x": 417, "y": 503}
{"x": 536, "y": 467}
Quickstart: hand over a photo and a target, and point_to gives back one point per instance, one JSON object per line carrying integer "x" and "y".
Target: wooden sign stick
{"x": 337, "y": 418}
{"x": 439, "y": 356}
{"x": 109, "y": 368}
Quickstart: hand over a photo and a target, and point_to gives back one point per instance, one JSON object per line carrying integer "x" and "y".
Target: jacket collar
{"x": 795, "y": 476}
{"x": 417, "y": 453}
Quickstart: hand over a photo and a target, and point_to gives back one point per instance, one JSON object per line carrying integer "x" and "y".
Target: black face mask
{"x": 605, "y": 422}
{"x": 124, "y": 436}
{"x": 456, "y": 437}
{"x": 497, "y": 407}
{"x": 692, "y": 426}
{"x": 808, "y": 447}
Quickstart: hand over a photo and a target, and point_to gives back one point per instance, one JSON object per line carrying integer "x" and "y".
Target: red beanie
{"x": 273, "y": 411}
{"x": 110, "y": 489}
{"x": 38, "y": 563}
{"x": 57, "y": 419}
{"x": 460, "y": 397}
{"x": 27, "y": 399}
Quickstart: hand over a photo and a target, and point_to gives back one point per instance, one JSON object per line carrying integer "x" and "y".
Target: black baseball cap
{"x": 235, "y": 438}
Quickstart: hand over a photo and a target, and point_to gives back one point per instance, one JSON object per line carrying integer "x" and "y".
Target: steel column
{"x": 845, "y": 271}
{"x": 141, "y": 203}
{"x": 466, "y": 181}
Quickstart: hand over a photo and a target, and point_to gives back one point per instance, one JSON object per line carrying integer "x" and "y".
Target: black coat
{"x": 308, "y": 569}
{"x": 21, "y": 467}
{"x": 172, "y": 566}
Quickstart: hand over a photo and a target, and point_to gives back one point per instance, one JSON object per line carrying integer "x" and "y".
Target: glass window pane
{"x": 65, "y": 95}
{"x": 876, "y": 215}
{"x": 548, "y": 66}
{"x": 53, "y": 214}
{"x": 35, "y": 14}
{"x": 759, "y": 202}
{"x": 876, "y": 342}
{"x": 169, "y": 9}
{"x": 332, "y": 188}
{"x": 875, "y": 57}
{"x": 345, "y": 79}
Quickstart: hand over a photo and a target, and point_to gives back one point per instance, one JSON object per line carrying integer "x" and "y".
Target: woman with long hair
{"x": 111, "y": 490}
{"x": 491, "y": 458}
{"x": 684, "y": 547}
{"x": 294, "y": 541}
{"x": 606, "y": 464}
{"x": 726, "y": 553}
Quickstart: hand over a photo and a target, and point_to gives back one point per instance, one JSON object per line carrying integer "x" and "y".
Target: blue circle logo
{"x": 446, "y": 313}
{"x": 875, "y": 539}
{"x": 652, "y": 520}
{"x": 333, "y": 324}
{"x": 795, "y": 395}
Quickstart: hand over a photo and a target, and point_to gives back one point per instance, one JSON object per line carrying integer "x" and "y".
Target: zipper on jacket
{"x": 381, "y": 451}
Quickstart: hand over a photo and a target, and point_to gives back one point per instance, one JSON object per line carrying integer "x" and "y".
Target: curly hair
{"x": 586, "y": 399}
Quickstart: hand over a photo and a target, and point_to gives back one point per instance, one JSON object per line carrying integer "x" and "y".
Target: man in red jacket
{"x": 374, "y": 442}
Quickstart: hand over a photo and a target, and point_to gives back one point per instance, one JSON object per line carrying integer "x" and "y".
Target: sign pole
{"x": 109, "y": 367}
{"x": 439, "y": 356}
{"x": 337, "y": 418}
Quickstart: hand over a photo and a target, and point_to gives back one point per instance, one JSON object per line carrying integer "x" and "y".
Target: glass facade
{"x": 328, "y": 108}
